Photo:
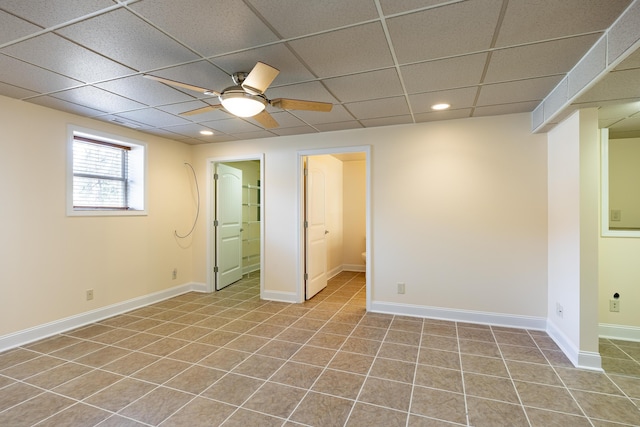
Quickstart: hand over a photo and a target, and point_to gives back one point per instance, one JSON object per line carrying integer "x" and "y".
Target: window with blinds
{"x": 100, "y": 174}
{"x": 106, "y": 176}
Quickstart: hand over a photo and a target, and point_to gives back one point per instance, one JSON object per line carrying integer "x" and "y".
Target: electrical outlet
{"x": 614, "y": 305}
{"x": 174, "y": 274}
{"x": 89, "y": 294}
{"x": 559, "y": 310}
{"x": 401, "y": 288}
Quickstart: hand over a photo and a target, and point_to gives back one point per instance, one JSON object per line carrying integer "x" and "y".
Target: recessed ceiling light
{"x": 440, "y": 106}
{"x": 206, "y": 132}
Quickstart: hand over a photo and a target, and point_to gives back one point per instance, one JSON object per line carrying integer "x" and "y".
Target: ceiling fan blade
{"x": 182, "y": 85}
{"x": 298, "y": 104}
{"x": 266, "y": 120}
{"x": 259, "y": 78}
{"x": 201, "y": 110}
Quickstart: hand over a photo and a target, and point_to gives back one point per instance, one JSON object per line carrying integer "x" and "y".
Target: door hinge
{"x": 306, "y": 276}
{"x": 306, "y": 172}
{"x": 306, "y": 224}
{"x": 215, "y": 176}
{"x": 215, "y": 223}
{"x": 215, "y": 269}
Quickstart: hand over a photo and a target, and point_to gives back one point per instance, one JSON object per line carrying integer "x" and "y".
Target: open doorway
{"x": 235, "y": 219}
{"x": 334, "y": 212}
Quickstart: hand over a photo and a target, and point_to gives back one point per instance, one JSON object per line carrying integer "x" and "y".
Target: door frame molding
{"x": 301, "y": 243}
{"x": 211, "y": 206}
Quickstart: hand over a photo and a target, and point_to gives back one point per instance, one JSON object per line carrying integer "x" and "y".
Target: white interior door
{"x": 228, "y": 225}
{"x": 315, "y": 231}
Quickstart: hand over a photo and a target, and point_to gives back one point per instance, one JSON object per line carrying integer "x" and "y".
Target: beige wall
{"x": 624, "y": 176}
{"x": 459, "y": 211}
{"x": 47, "y": 259}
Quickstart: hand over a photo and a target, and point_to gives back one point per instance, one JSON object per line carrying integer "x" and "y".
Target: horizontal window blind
{"x": 100, "y": 172}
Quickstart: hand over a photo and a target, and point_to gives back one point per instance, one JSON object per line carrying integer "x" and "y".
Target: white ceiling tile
{"x": 98, "y": 99}
{"x": 64, "y": 57}
{"x": 153, "y": 117}
{"x": 528, "y": 21}
{"x": 618, "y": 111}
{"x": 443, "y": 115}
{"x": 311, "y": 91}
{"x": 32, "y": 78}
{"x": 278, "y": 56}
{"x": 182, "y": 107}
{"x": 494, "y": 110}
{"x": 631, "y": 61}
{"x": 127, "y": 39}
{"x": 387, "y": 121}
{"x": 200, "y": 73}
{"x": 69, "y": 107}
{"x": 293, "y": 18}
{"x": 299, "y": 130}
{"x": 15, "y": 92}
{"x": 254, "y": 135}
{"x": 622, "y": 85}
{"x": 629, "y": 124}
{"x": 191, "y": 130}
{"x": 390, "y": 7}
{"x": 457, "y": 98}
{"x": 518, "y": 91}
{"x": 145, "y": 90}
{"x": 351, "y": 50}
{"x": 337, "y": 114}
{"x": 444, "y": 74}
{"x": 537, "y": 60}
{"x": 451, "y": 30}
{"x": 14, "y": 28}
{"x": 330, "y": 127}
{"x": 370, "y": 85}
{"x": 210, "y": 28}
{"x": 379, "y": 108}
{"x": 53, "y": 12}
{"x": 231, "y": 125}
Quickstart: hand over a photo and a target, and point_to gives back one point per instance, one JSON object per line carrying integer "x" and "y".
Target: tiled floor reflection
{"x": 230, "y": 359}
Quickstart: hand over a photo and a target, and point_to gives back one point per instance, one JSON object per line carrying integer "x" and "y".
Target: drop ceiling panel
{"x": 451, "y": 30}
{"x": 391, "y": 7}
{"x": 444, "y": 74}
{"x": 313, "y": 91}
{"x": 64, "y": 57}
{"x": 144, "y": 90}
{"x": 210, "y": 28}
{"x": 443, "y": 115}
{"x": 527, "y": 21}
{"x": 537, "y": 60}
{"x": 630, "y": 124}
{"x": 33, "y": 78}
{"x": 330, "y": 127}
{"x": 98, "y": 99}
{"x": 254, "y": 135}
{"x": 337, "y": 114}
{"x": 201, "y": 73}
{"x": 14, "y": 28}
{"x": 621, "y": 85}
{"x": 293, "y": 18}
{"x": 378, "y": 108}
{"x": 370, "y": 85}
{"x": 153, "y": 118}
{"x": 15, "y": 92}
{"x": 387, "y": 121}
{"x": 516, "y": 107}
{"x": 125, "y": 38}
{"x": 176, "y": 109}
{"x": 345, "y": 51}
{"x": 300, "y": 130}
{"x": 69, "y": 107}
{"x": 518, "y": 91}
{"x": 53, "y": 12}
{"x": 457, "y": 98}
{"x": 191, "y": 130}
{"x": 231, "y": 126}
{"x": 278, "y": 56}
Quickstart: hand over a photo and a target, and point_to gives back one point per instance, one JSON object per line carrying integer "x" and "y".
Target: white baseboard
{"x": 619, "y": 332}
{"x": 498, "y": 319}
{"x": 36, "y": 333}
{"x": 580, "y": 359}
{"x": 360, "y": 268}
{"x": 280, "y": 296}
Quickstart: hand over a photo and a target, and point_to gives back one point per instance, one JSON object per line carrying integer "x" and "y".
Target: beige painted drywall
{"x": 618, "y": 262}
{"x": 49, "y": 260}
{"x": 354, "y": 212}
{"x": 624, "y": 176}
{"x": 458, "y": 208}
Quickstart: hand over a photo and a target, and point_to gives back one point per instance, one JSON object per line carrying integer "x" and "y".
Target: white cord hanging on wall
{"x": 195, "y": 178}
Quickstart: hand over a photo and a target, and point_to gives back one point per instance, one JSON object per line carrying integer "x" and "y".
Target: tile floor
{"x": 230, "y": 359}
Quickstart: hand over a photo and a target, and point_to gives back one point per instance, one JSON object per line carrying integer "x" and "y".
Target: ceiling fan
{"x": 246, "y": 98}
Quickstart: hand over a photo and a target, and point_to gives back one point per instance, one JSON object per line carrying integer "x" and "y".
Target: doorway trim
{"x": 211, "y": 209}
{"x": 301, "y": 248}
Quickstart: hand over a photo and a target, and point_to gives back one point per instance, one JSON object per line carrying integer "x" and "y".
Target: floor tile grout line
{"x": 415, "y": 374}
{"x": 564, "y": 384}
{"x": 464, "y": 387}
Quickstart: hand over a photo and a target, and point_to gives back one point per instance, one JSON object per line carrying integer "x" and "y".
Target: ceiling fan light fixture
{"x": 242, "y": 104}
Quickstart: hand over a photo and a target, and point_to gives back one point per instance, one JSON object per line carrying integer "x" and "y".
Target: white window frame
{"x": 137, "y": 191}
